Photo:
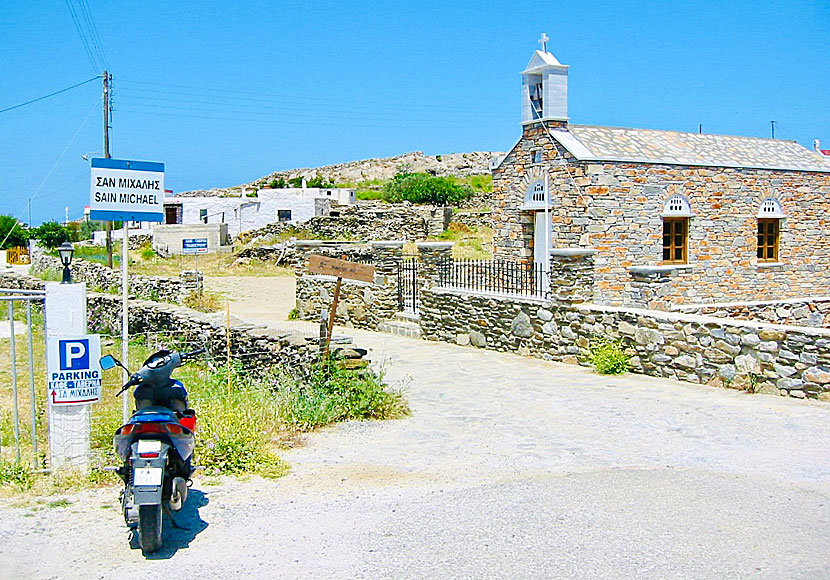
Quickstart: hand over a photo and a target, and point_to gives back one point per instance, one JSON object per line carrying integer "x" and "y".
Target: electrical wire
{"x": 49, "y": 95}
{"x": 83, "y": 34}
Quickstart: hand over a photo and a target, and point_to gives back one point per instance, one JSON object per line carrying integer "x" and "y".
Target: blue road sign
{"x": 122, "y": 190}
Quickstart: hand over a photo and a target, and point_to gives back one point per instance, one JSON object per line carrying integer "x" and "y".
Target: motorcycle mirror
{"x": 108, "y": 362}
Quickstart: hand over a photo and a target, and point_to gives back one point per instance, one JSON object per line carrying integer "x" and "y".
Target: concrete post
{"x": 69, "y": 425}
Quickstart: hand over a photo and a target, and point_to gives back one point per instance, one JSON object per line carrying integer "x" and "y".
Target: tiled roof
{"x": 590, "y": 143}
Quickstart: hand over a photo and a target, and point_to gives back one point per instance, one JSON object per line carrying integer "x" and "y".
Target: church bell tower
{"x": 544, "y": 87}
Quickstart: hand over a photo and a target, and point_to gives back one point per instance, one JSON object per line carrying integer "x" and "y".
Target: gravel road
{"x": 508, "y": 468}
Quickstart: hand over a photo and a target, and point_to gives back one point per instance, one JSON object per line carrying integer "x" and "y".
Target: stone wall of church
{"x": 616, "y": 209}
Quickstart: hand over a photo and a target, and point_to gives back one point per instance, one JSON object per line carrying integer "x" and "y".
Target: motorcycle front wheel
{"x": 149, "y": 527}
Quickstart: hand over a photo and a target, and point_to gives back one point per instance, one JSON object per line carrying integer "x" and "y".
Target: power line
{"x": 90, "y": 22}
{"x": 81, "y": 33}
{"x": 49, "y": 95}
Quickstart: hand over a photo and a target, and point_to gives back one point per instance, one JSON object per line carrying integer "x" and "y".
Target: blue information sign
{"x": 194, "y": 246}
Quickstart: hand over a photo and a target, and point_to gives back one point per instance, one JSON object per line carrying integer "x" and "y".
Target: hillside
{"x": 376, "y": 169}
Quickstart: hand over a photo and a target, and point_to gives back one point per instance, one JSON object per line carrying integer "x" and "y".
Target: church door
{"x": 540, "y": 242}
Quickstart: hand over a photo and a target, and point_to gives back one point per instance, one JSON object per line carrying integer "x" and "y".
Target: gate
{"x": 408, "y": 299}
{"x": 12, "y": 298}
{"x": 17, "y": 256}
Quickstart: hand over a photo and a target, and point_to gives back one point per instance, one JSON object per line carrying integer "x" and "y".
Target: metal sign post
{"x": 126, "y": 191}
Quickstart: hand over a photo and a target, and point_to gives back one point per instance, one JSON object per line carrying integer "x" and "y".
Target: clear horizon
{"x": 224, "y": 96}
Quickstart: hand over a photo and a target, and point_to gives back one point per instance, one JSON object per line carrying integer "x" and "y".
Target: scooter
{"x": 156, "y": 445}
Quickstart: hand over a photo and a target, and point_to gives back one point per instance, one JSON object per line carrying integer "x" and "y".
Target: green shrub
{"x": 319, "y": 181}
{"x": 425, "y": 188}
{"x": 332, "y": 394}
{"x": 294, "y": 314}
{"x": 607, "y": 356}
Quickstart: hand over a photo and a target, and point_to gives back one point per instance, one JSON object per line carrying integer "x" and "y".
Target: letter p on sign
{"x": 74, "y": 354}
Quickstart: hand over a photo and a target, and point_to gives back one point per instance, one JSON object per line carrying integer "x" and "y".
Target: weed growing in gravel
{"x": 333, "y": 393}
{"x": 16, "y": 475}
{"x": 607, "y": 356}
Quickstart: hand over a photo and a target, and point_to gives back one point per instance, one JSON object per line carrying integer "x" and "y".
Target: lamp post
{"x": 65, "y": 251}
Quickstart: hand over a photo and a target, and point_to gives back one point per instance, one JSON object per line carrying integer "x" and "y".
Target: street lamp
{"x": 65, "y": 251}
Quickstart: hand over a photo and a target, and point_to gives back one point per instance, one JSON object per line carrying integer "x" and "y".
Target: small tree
{"x": 51, "y": 234}
{"x": 278, "y": 183}
{"x": 296, "y": 181}
{"x": 12, "y": 233}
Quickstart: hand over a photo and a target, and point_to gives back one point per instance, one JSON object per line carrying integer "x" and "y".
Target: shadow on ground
{"x": 188, "y": 524}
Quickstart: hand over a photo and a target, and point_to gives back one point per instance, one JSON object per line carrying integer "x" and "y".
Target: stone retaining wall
{"x": 771, "y": 358}
{"x": 473, "y": 219}
{"x": 811, "y": 311}
{"x": 100, "y": 278}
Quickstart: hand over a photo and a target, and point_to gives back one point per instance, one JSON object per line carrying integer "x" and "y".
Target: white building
{"x": 291, "y": 205}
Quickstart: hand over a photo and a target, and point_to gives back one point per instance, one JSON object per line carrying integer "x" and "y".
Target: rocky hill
{"x": 383, "y": 168}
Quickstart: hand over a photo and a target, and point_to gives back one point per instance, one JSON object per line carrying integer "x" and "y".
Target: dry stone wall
{"x": 772, "y": 358}
{"x": 255, "y": 348}
{"x": 100, "y": 278}
{"x": 368, "y": 221}
{"x": 361, "y": 304}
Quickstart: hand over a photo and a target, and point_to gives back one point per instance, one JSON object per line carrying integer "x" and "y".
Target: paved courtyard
{"x": 508, "y": 467}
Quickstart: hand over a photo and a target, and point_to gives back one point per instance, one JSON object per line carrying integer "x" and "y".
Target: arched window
{"x": 535, "y": 194}
{"x": 677, "y": 206}
{"x": 676, "y": 214}
{"x": 770, "y": 214}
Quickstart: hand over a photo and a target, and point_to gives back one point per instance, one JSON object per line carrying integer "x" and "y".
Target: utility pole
{"x": 107, "y": 224}
{"x": 772, "y": 125}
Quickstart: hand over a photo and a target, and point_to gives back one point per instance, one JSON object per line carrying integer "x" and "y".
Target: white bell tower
{"x": 544, "y": 87}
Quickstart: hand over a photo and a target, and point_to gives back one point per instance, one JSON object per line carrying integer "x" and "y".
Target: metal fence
{"x": 495, "y": 276}
{"x": 27, "y": 297}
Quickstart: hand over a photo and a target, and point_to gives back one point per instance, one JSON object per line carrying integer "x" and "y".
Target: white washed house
{"x": 292, "y": 205}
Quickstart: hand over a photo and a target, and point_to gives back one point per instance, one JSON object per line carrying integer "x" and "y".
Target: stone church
{"x": 670, "y": 218}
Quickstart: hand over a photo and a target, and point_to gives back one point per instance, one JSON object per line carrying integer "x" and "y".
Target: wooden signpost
{"x": 341, "y": 269}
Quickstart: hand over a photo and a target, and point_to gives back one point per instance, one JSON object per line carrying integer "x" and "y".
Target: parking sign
{"x": 73, "y": 370}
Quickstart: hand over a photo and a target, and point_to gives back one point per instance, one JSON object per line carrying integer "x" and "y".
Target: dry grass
{"x": 211, "y": 265}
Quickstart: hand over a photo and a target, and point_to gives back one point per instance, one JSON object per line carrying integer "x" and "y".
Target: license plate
{"x": 147, "y": 476}
{"x": 149, "y": 445}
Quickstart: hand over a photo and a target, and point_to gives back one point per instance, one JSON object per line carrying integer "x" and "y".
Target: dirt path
{"x": 508, "y": 468}
{"x": 265, "y": 299}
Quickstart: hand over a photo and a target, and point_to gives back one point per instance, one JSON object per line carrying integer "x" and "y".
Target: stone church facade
{"x": 674, "y": 218}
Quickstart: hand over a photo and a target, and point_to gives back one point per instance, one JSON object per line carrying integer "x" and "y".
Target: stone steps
{"x": 404, "y": 324}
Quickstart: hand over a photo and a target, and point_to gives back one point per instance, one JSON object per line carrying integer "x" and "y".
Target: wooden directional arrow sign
{"x": 340, "y": 268}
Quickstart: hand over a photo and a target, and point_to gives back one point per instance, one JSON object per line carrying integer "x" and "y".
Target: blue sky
{"x": 224, "y": 93}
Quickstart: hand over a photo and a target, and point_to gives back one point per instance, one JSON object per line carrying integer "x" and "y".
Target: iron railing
{"x": 495, "y": 276}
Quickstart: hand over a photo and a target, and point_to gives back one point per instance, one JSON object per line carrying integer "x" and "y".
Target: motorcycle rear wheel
{"x": 149, "y": 527}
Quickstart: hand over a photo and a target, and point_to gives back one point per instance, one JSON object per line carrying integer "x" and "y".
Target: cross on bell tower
{"x": 544, "y": 87}
{"x": 544, "y": 42}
